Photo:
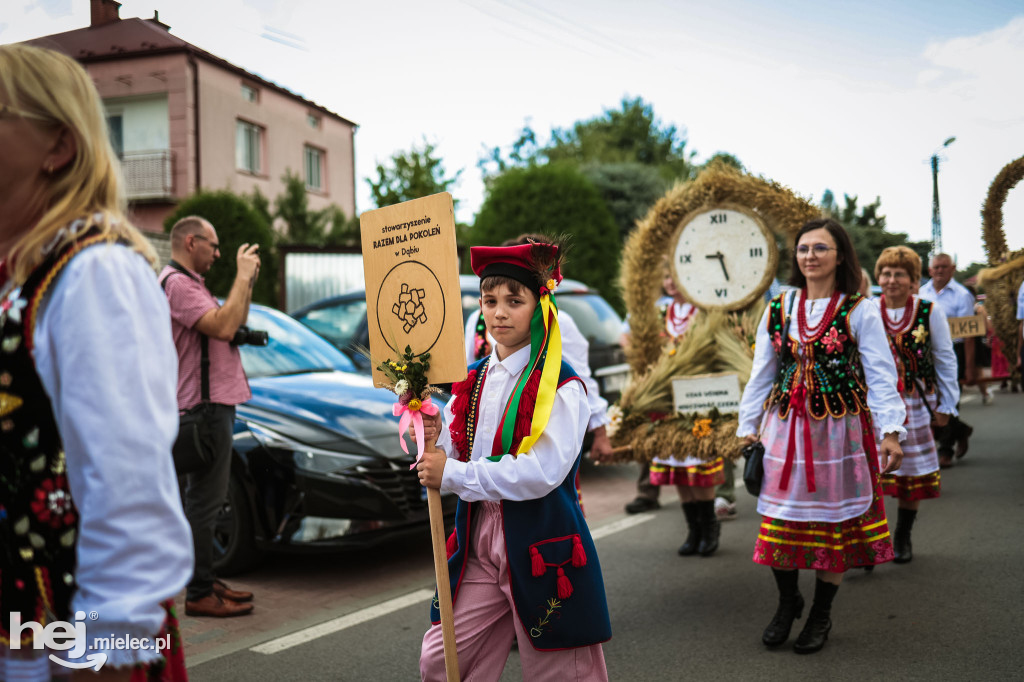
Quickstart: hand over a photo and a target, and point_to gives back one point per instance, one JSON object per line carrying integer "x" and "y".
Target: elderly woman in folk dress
{"x": 822, "y": 378}
{"x": 92, "y": 519}
{"x": 923, "y": 350}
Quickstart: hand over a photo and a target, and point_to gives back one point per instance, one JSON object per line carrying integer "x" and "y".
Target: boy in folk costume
{"x": 521, "y": 559}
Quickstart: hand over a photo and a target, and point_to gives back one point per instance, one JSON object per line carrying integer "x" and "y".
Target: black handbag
{"x": 753, "y": 468}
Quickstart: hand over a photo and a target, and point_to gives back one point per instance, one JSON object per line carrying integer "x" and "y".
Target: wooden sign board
{"x": 411, "y": 267}
{"x": 701, "y": 392}
{"x": 961, "y": 327}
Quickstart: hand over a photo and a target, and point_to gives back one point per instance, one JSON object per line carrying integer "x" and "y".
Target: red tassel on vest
{"x": 579, "y": 557}
{"x": 537, "y": 566}
{"x": 564, "y": 586}
{"x": 451, "y": 545}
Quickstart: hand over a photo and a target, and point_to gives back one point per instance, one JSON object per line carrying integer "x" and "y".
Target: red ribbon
{"x": 798, "y": 408}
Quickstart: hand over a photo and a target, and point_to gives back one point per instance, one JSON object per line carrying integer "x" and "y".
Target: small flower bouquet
{"x": 408, "y": 380}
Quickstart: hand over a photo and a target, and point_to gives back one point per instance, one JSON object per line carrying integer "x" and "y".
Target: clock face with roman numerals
{"x": 723, "y": 258}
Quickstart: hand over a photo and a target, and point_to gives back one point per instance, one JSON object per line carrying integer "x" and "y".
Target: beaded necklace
{"x": 675, "y": 324}
{"x": 809, "y": 334}
{"x": 894, "y": 328}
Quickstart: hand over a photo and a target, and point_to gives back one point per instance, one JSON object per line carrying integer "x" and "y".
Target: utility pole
{"x": 936, "y": 220}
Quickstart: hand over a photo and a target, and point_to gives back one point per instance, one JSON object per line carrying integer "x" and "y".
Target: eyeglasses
{"x": 213, "y": 244}
{"x": 10, "y": 112}
{"x": 818, "y": 249}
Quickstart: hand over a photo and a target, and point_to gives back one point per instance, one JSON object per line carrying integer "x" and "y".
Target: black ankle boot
{"x": 693, "y": 530}
{"x": 815, "y": 633}
{"x": 901, "y": 545}
{"x": 709, "y": 527}
{"x": 791, "y": 607}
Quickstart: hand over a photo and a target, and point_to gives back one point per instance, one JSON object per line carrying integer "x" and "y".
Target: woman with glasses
{"x": 923, "y": 350}
{"x": 90, "y": 512}
{"x": 822, "y": 380}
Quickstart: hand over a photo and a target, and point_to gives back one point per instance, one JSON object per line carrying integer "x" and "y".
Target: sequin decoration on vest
{"x": 38, "y": 519}
{"x": 829, "y": 372}
{"x": 911, "y": 344}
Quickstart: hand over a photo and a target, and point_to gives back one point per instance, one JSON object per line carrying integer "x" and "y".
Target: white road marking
{"x": 338, "y": 624}
{"x": 356, "y": 618}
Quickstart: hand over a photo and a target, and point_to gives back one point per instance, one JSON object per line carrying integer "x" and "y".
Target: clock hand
{"x": 721, "y": 261}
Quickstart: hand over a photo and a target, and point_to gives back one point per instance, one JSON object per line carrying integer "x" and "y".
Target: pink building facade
{"x": 182, "y": 119}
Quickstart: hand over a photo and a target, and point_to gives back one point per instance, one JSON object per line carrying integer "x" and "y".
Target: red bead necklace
{"x": 894, "y": 328}
{"x": 809, "y": 334}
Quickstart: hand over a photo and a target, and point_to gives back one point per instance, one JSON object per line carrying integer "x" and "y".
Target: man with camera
{"x": 210, "y": 379}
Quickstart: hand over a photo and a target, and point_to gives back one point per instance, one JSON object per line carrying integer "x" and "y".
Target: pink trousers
{"x": 485, "y": 621}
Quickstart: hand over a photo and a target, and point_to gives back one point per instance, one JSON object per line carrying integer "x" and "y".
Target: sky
{"x": 851, "y": 96}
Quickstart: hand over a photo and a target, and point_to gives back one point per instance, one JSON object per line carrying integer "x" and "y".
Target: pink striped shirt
{"x": 189, "y": 301}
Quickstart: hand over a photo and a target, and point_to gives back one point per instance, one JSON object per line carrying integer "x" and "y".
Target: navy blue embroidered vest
{"x": 38, "y": 519}
{"x": 835, "y": 382}
{"x": 555, "y": 575}
{"x": 913, "y": 350}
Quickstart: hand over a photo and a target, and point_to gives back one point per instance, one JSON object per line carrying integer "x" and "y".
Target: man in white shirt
{"x": 955, "y": 301}
{"x": 1020, "y": 327}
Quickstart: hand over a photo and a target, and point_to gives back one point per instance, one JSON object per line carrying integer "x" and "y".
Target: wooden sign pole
{"x": 444, "y": 591}
{"x": 413, "y": 300}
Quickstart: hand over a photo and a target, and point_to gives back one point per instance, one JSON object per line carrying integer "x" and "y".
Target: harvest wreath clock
{"x": 723, "y": 257}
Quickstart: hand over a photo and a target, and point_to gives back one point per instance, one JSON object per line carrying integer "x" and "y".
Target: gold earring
{"x": 49, "y": 169}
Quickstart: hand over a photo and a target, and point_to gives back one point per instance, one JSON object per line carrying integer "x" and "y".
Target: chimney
{"x": 103, "y": 12}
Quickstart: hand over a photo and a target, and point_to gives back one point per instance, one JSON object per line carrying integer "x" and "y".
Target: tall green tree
{"x": 237, "y": 223}
{"x": 555, "y": 199}
{"x": 627, "y": 189}
{"x": 301, "y": 224}
{"x": 410, "y": 175}
{"x": 630, "y": 134}
{"x": 867, "y": 229}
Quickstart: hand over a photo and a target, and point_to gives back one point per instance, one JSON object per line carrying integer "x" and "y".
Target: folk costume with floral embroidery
{"x": 815, "y": 396}
{"x": 923, "y": 351}
{"x": 554, "y": 573}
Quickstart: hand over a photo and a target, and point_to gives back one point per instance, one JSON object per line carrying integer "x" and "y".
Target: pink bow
{"x": 413, "y": 415}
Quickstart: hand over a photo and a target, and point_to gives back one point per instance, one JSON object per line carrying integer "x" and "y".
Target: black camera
{"x": 252, "y": 337}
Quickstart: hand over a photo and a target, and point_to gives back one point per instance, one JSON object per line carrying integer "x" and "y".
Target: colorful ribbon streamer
{"x": 411, "y": 414}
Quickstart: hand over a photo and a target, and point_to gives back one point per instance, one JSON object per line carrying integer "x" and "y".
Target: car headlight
{"x": 306, "y": 457}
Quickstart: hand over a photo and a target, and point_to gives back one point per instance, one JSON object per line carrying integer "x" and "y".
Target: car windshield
{"x": 338, "y": 323}
{"x": 596, "y": 319}
{"x": 290, "y": 349}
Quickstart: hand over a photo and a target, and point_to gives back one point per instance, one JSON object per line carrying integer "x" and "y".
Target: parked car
{"x": 316, "y": 461}
{"x": 342, "y": 321}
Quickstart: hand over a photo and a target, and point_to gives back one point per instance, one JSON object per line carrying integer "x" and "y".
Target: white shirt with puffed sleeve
{"x": 104, "y": 354}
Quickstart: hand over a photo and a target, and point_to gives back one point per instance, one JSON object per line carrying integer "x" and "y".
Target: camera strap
{"x": 204, "y": 341}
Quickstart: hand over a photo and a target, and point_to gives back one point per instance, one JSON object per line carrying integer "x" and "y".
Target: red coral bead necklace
{"x": 894, "y": 328}
{"x": 809, "y": 333}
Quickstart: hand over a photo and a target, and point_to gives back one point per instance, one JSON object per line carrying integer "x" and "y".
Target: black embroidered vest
{"x": 829, "y": 367}
{"x": 913, "y": 350}
{"x": 38, "y": 519}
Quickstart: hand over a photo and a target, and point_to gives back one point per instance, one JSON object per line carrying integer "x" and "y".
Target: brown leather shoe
{"x": 225, "y": 592}
{"x": 214, "y": 606}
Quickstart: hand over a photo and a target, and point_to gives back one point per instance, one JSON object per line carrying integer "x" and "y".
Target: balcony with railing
{"x": 149, "y": 175}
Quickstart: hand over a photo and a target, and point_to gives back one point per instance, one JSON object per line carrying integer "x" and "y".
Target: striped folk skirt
{"x": 834, "y": 546}
{"x": 689, "y": 472}
{"x": 918, "y": 475}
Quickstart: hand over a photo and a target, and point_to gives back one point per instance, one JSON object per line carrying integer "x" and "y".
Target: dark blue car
{"x": 317, "y": 463}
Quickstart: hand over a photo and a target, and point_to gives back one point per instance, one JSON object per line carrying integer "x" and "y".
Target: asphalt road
{"x": 954, "y": 613}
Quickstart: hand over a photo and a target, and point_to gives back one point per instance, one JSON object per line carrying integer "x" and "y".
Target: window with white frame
{"x": 250, "y": 94}
{"x": 248, "y": 147}
{"x": 313, "y": 121}
{"x": 314, "y": 162}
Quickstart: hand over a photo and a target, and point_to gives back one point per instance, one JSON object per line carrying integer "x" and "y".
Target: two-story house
{"x": 182, "y": 119}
